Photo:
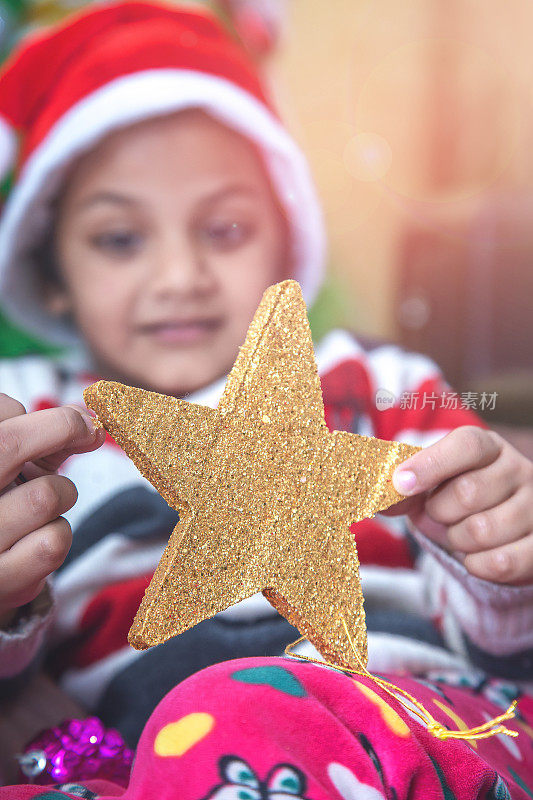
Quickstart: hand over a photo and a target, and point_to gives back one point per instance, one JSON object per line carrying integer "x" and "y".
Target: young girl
{"x": 155, "y": 196}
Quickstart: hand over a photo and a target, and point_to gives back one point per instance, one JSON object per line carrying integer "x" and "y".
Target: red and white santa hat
{"x": 67, "y": 86}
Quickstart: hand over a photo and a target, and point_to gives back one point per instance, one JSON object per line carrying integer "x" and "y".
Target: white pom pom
{"x": 8, "y": 147}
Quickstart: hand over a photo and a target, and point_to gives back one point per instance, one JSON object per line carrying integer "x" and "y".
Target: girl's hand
{"x": 34, "y": 538}
{"x": 472, "y": 493}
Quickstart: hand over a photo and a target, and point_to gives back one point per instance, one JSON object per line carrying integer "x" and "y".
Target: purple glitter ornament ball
{"x": 76, "y": 750}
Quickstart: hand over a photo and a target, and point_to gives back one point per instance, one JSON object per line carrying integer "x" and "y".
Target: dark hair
{"x": 44, "y": 254}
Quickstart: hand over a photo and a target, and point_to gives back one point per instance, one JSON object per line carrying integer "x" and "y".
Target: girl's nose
{"x": 180, "y": 268}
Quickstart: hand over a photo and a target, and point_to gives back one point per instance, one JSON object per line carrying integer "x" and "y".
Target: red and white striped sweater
{"x": 423, "y": 609}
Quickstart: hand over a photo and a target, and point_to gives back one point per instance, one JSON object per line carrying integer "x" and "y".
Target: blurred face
{"x": 167, "y": 235}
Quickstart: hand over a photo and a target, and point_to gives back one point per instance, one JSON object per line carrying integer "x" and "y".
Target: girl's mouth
{"x": 187, "y": 331}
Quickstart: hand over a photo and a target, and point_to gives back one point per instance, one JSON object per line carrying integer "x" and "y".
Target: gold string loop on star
{"x": 492, "y": 727}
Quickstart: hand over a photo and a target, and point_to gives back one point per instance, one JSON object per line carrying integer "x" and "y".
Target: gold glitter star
{"x": 265, "y": 492}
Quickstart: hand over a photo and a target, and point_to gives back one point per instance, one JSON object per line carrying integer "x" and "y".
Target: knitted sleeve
{"x": 21, "y": 640}
{"x": 491, "y": 624}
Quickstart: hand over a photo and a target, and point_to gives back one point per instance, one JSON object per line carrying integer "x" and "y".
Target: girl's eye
{"x": 116, "y": 241}
{"x": 226, "y": 235}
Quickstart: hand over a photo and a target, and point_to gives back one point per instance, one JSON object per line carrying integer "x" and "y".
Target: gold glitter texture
{"x": 266, "y": 494}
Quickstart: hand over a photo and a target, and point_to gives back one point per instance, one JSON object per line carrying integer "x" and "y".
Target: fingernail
{"x": 90, "y": 419}
{"x": 404, "y": 481}
{"x": 91, "y": 422}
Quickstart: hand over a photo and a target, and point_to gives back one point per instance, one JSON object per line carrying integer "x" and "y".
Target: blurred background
{"x": 417, "y": 119}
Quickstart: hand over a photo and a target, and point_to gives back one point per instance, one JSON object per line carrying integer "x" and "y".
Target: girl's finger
{"x": 53, "y": 462}
{"x": 414, "y": 508}
{"x": 9, "y": 605}
{"x": 9, "y": 407}
{"x": 511, "y": 563}
{"x": 464, "y": 495}
{"x": 464, "y": 448}
{"x": 28, "y": 507}
{"x": 41, "y": 434}
{"x": 403, "y": 506}
{"x": 497, "y": 526}
{"x": 33, "y": 558}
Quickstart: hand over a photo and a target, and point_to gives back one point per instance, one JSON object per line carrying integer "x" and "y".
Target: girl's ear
{"x": 56, "y": 300}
